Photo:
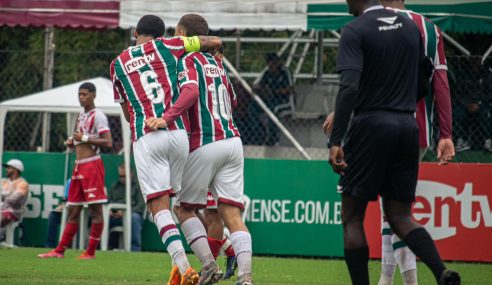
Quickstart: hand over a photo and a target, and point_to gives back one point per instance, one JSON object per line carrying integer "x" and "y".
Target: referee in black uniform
{"x": 379, "y": 60}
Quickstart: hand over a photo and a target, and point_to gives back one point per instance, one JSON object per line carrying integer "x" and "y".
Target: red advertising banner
{"x": 454, "y": 204}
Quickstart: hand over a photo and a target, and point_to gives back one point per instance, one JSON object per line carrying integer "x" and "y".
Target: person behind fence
{"x": 275, "y": 88}
{"x": 15, "y": 191}
{"x": 87, "y": 185}
{"x": 117, "y": 194}
{"x": 470, "y": 108}
{"x": 486, "y": 84}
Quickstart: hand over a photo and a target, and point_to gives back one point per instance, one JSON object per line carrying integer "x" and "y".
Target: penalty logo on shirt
{"x": 391, "y": 22}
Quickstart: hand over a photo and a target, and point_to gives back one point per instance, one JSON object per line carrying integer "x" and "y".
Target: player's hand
{"x": 328, "y": 124}
{"x": 69, "y": 142}
{"x": 445, "y": 151}
{"x": 77, "y": 136}
{"x": 156, "y": 123}
{"x": 337, "y": 160}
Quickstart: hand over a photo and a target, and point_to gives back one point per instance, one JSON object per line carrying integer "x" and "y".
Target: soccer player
{"x": 216, "y": 157}
{"x": 87, "y": 184}
{"x": 145, "y": 84}
{"x": 394, "y": 251}
{"x": 382, "y": 145}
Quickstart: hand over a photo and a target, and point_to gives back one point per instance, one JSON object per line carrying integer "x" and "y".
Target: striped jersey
{"x": 93, "y": 123}
{"x": 145, "y": 77}
{"x": 211, "y": 115}
{"x": 434, "y": 49}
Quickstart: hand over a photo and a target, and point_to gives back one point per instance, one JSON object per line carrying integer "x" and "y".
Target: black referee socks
{"x": 357, "y": 259}
{"x": 421, "y": 243}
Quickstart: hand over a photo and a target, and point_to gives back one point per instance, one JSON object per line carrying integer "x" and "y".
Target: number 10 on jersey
{"x": 221, "y": 101}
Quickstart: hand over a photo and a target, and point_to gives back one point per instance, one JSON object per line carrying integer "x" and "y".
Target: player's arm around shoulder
{"x": 202, "y": 43}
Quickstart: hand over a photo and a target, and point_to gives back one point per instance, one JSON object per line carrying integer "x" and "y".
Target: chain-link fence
{"x": 23, "y": 74}
{"x": 300, "y": 102}
{"x": 470, "y": 81}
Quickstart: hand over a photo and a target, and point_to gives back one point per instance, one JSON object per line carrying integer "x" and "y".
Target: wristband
{"x": 85, "y": 138}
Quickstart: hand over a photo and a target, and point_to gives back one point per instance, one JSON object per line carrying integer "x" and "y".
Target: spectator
{"x": 486, "y": 80}
{"x": 15, "y": 191}
{"x": 470, "y": 108}
{"x": 117, "y": 194}
{"x": 246, "y": 117}
{"x": 54, "y": 219}
{"x": 275, "y": 88}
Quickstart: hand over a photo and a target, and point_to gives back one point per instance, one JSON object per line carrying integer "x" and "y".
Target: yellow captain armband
{"x": 191, "y": 43}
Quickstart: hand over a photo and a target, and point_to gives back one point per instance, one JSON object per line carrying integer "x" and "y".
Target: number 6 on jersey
{"x": 152, "y": 88}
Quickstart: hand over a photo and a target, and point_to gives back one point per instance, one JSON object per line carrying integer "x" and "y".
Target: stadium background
{"x": 279, "y": 179}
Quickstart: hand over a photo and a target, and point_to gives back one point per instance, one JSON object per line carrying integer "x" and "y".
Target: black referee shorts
{"x": 382, "y": 153}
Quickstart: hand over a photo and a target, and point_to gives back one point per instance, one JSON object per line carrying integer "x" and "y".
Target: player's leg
{"x": 197, "y": 173}
{"x": 414, "y": 235}
{"x": 154, "y": 176}
{"x": 215, "y": 230}
{"x": 228, "y": 186}
{"x": 171, "y": 238}
{"x": 404, "y": 257}
{"x": 200, "y": 215}
{"x": 97, "y": 223}
{"x": 395, "y": 252}
{"x": 367, "y": 150}
{"x": 400, "y": 193}
{"x": 388, "y": 262}
{"x": 356, "y": 249}
{"x": 231, "y": 263}
{"x": 69, "y": 232}
{"x": 406, "y": 260}
{"x": 74, "y": 207}
{"x": 93, "y": 183}
{"x": 217, "y": 238}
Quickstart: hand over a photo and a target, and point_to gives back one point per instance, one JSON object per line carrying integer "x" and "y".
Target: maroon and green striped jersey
{"x": 434, "y": 49}
{"x": 145, "y": 76}
{"x": 211, "y": 115}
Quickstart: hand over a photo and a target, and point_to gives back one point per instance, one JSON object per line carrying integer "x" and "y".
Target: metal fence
{"x": 301, "y": 103}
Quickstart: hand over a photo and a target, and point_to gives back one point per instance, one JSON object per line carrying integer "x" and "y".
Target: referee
{"x": 379, "y": 57}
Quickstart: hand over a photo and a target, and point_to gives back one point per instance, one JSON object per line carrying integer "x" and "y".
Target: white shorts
{"x": 160, "y": 157}
{"x": 217, "y": 167}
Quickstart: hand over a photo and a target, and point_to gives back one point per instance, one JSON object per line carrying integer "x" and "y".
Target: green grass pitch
{"x": 21, "y": 266}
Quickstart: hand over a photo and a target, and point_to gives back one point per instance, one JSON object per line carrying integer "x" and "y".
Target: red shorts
{"x": 9, "y": 215}
{"x": 87, "y": 185}
{"x": 211, "y": 203}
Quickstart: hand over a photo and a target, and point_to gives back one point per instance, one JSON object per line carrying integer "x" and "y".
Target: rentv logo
{"x": 442, "y": 210}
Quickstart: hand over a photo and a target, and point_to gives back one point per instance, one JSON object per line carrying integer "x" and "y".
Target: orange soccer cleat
{"x": 190, "y": 277}
{"x": 51, "y": 254}
{"x": 85, "y": 255}
{"x": 174, "y": 276}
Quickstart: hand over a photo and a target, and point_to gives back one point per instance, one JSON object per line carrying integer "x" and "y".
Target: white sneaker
{"x": 462, "y": 145}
